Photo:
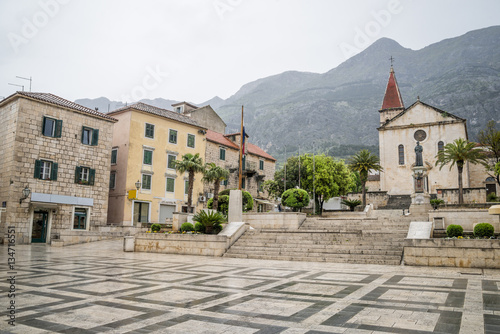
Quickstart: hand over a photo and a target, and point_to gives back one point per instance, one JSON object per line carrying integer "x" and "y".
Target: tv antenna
{"x": 30, "y": 79}
{"x": 17, "y": 85}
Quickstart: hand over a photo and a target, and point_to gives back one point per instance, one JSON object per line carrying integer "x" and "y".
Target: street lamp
{"x": 138, "y": 185}
{"x": 26, "y": 192}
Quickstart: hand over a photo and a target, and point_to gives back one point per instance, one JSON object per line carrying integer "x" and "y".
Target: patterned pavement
{"x": 97, "y": 288}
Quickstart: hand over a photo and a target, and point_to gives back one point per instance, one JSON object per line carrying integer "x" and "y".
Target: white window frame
{"x": 87, "y": 221}
{"x": 166, "y": 183}
{"x": 143, "y": 154}
{"x": 149, "y": 211}
{"x": 114, "y": 150}
{"x": 194, "y": 140}
{"x": 150, "y": 182}
{"x": 175, "y": 156}
{"x": 145, "y": 129}
{"x": 84, "y": 174}
{"x": 114, "y": 184}
{"x": 43, "y": 169}
{"x": 176, "y": 138}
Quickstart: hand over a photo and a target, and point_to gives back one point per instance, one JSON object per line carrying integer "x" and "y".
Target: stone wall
{"x": 463, "y": 253}
{"x": 275, "y": 220}
{"x": 68, "y": 152}
{"x": 377, "y": 198}
{"x": 71, "y": 237}
{"x": 471, "y": 195}
{"x": 467, "y": 218}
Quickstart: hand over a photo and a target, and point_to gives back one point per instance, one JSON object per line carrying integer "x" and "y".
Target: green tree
{"x": 326, "y": 178}
{"x": 273, "y": 188}
{"x": 293, "y": 174}
{"x": 215, "y": 174}
{"x": 363, "y": 162}
{"x": 490, "y": 139}
{"x": 459, "y": 152}
{"x": 295, "y": 198}
{"x": 191, "y": 164}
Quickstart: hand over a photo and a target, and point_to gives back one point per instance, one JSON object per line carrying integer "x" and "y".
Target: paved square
{"x": 98, "y": 288}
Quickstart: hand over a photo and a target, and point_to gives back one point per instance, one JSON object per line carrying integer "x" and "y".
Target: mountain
{"x": 337, "y": 111}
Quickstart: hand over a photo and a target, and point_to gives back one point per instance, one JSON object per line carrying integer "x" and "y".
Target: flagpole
{"x": 240, "y": 175}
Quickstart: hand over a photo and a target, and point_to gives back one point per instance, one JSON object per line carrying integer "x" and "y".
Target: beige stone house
{"x": 59, "y": 153}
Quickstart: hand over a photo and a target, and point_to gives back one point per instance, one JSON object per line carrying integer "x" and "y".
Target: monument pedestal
{"x": 420, "y": 198}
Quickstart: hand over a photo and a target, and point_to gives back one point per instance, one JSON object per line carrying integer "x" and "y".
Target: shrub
{"x": 247, "y": 200}
{"x": 436, "y": 201}
{"x": 454, "y": 231}
{"x": 482, "y": 230}
{"x": 209, "y": 220}
{"x": 155, "y": 227}
{"x": 295, "y": 198}
{"x": 223, "y": 203}
{"x": 187, "y": 227}
{"x": 491, "y": 197}
{"x": 351, "y": 203}
{"x": 198, "y": 227}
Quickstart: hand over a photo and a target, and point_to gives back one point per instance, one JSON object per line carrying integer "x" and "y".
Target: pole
{"x": 299, "y": 166}
{"x": 30, "y": 79}
{"x": 240, "y": 175}
{"x": 314, "y": 186}
{"x": 285, "y": 172}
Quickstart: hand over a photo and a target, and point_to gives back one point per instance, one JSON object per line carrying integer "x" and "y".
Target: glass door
{"x": 39, "y": 231}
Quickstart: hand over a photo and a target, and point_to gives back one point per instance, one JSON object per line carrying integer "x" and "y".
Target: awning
{"x": 61, "y": 199}
{"x": 263, "y": 201}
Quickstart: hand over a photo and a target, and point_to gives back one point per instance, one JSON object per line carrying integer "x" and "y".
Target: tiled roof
{"x": 160, "y": 112}
{"x": 54, "y": 99}
{"x": 184, "y": 102}
{"x": 392, "y": 97}
{"x": 250, "y": 148}
{"x": 237, "y": 134}
{"x": 219, "y": 138}
{"x": 254, "y": 149}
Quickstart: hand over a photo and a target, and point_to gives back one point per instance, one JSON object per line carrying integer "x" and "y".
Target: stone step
{"x": 314, "y": 250}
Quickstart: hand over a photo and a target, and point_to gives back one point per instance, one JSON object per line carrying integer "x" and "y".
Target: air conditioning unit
{"x": 210, "y": 195}
{"x": 202, "y": 199}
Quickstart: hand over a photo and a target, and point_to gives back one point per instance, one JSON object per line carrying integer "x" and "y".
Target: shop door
{"x": 39, "y": 231}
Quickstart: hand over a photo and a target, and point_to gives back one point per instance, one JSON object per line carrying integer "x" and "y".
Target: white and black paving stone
{"x": 98, "y": 288}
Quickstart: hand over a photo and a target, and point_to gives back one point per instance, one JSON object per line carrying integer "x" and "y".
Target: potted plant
{"x": 435, "y": 202}
{"x": 351, "y": 203}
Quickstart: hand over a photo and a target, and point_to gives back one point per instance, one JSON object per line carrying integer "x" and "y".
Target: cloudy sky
{"x": 194, "y": 50}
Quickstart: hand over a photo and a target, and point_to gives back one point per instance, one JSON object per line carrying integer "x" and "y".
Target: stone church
{"x": 401, "y": 128}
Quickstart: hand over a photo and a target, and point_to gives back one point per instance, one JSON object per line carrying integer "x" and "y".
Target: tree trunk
{"x": 460, "y": 186}
{"x": 363, "y": 191}
{"x": 215, "y": 203}
{"x": 321, "y": 207}
{"x": 190, "y": 191}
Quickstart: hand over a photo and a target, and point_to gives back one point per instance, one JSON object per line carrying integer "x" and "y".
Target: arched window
{"x": 440, "y": 146}
{"x": 401, "y": 153}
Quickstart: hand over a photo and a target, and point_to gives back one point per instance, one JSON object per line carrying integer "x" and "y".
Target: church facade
{"x": 401, "y": 128}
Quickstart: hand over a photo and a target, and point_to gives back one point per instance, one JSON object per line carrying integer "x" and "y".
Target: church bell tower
{"x": 393, "y": 102}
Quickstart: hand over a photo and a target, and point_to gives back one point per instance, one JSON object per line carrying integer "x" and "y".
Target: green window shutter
{"x": 261, "y": 165}
{"x": 91, "y": 177}
{"x": 243, "y": 163}
{"x": 171, "y": 161}
{"x": 53, "y": 172}
{"x": 95, "y": 137}
{"x": 114, "y": 154}
{"x": 170, "y": 185}
{"x": 190, "y": 142}
{"x": 58, "y": 130}
{"x": 222, "y": 155}
{"x": 43, "y": 124}
{"x": 148, "y": 157}
{"x": 186, "y": 187}
{"x": 83, "y": 130}
{"x": 38, "y": 164}
{"x": 225, "y": 182}
{"x": 78, "y": 170}
{"x": 243, "y": 183}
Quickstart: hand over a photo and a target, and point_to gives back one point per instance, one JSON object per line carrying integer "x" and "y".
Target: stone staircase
{"x": 397, "y": 202}
{"x": 375, "y": 240}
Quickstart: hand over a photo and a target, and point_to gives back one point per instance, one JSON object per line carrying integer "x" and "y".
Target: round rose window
{"x": 420, "y": 135}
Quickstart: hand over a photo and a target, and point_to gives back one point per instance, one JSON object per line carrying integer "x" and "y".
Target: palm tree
{"x": 215, "y": 174}
{"x": 362, "y": 162}
{"x": 191, "y": 164}
{"x": 459, "y": 152}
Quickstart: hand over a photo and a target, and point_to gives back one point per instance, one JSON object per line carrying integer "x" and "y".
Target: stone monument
{"x": 235, "y": 212}
{"x": 420, "y": 198}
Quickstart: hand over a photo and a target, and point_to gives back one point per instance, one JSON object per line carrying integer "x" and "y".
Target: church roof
{"x": 442, "y": 112}
{"x": 392, "y": 98}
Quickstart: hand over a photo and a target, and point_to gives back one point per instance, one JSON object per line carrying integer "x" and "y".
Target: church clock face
{"x": 420, "y": 135}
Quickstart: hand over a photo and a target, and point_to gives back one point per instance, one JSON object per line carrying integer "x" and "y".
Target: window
{"x": 178, "y": 109}
{"x": 170, "y": 184}
{"x": 45, "y": 170}
{"x": 190, "y": 142}
{"x": 141, "y": 212}
{"x": 80, "y": 219}
{"x": 147, "y": 157}
{"x": 243, "y": 183}
{"x": 112, "y": 180}
{"x": 114, "y": 155}
{"x": 171, "y": 161}
{"x": 90, "y": 136}
{"x": 84, "y": 175}
{"x": 150, "y": 131}
{"x": 401, "y": 153}
{"x": 223, "y": 182}
{"x": 146, "y": 182}
{"x": 261, "y": 164}
{"x": 186, "y": 187}
{"x": 440, "y": 146}
{"x": 172, "y": 136}
{"x": 52, "y": 127}
{"x": 243, "y": 163}
{"x": 222, "y": 153}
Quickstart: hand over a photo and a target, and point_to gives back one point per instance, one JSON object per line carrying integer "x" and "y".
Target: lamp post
{"x": 26, "y": 192}
{"x": 314, "y": 185}
{"x": 284, "y": 186}
{"x": 138, "y": 185}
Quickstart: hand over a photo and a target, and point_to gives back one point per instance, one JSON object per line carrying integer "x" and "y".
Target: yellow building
{"x": 144, "y": 185}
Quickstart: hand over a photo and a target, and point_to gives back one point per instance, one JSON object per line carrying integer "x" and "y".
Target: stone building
{"x": 146, "y": 142}
{"x": 60, "y": 153}
{"x": 401, "y": 128}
